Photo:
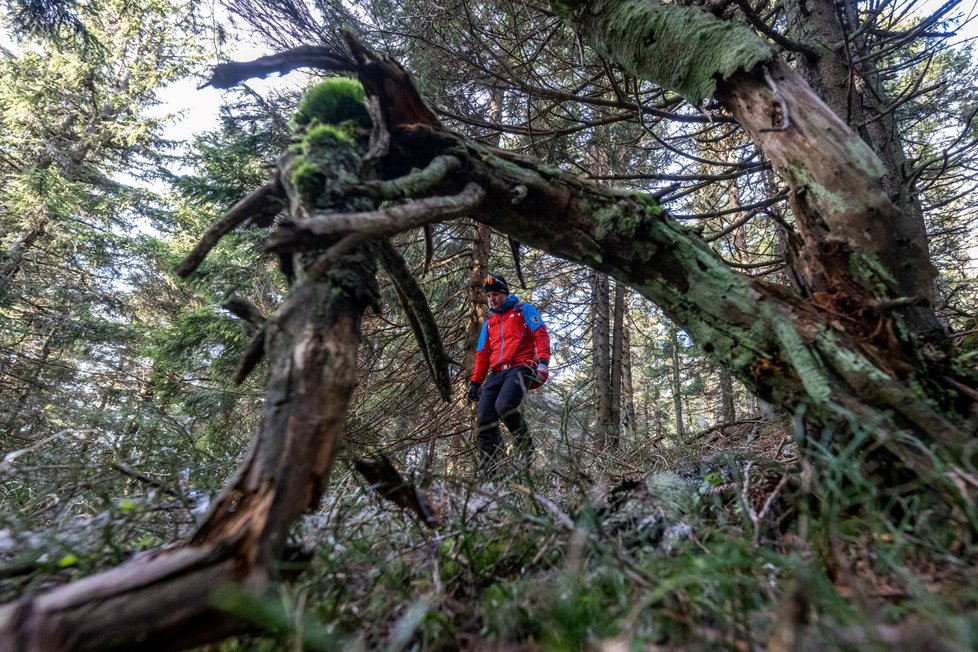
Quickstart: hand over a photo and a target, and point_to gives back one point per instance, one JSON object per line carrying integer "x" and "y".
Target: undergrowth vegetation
{"x": 732, "y": 541}
{"x": 740, "y": 551}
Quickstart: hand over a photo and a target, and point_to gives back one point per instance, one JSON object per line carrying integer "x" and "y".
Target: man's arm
{"x": 541, "y": 337}
{"x": 481, "y": 356}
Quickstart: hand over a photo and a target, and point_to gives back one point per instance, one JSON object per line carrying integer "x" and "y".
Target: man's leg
{"x": 488, "y": 438}
{"x": 508, "y": 400}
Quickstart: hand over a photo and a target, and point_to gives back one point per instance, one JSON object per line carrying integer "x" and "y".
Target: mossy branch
{"x": 674, "y": 46}
{"x": 415, "y": 183}
{"x": 867, "y": 380}
{"x": 324, "y": 228}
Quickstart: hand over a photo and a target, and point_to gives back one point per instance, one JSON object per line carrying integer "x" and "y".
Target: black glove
{"x": 474, "y": 392}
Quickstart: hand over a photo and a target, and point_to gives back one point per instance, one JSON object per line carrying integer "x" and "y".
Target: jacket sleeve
{"x": 541, "y": 337}
{"x": 482, "y": 356}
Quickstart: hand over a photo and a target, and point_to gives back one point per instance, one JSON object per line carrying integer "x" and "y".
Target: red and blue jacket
{"x": 513, "y": 336}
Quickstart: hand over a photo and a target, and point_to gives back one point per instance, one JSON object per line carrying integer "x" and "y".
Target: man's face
{"x": 495, "y": 299}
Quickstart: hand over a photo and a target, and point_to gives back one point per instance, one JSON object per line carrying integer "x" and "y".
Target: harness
{"x": 507, "y": 367}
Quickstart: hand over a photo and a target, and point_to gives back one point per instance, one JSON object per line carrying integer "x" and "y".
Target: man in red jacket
{"x": 513, "y": 351}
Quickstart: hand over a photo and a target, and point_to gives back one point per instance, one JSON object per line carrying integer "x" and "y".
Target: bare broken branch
{"x": 251, "y": 357}
{"x": 246, "y": 310}
{"x": 226, "y": 75}
{"x": 313, "y": 232}
{"x": 514, "y": 247}
{"x": 387, "y": 481}
{"x": 419, "y": 316}
{"x": 260, "y": 204}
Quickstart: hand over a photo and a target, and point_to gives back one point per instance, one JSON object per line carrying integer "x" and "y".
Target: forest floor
{"x": 729, "y": 542}
{"x": 725, "y": 544}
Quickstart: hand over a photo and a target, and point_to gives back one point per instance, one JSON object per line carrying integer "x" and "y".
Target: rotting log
{"x": 165, "y": 600}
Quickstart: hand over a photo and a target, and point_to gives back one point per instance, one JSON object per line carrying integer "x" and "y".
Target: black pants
{"x": 500, "y": 400}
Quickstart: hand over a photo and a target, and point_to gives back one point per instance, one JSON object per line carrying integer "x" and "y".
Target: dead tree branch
{"x": 260, "y": 205}
{"x": 313, "y": 232}
{"x": 226, "y": 75}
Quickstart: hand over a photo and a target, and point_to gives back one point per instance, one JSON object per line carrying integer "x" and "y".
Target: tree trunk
{"x": 627, "y": 386}
{"x": 600, "y": 325}
{"x": 840, "y": 68}
{"x": 677, "y": 382}
{"x": 725, "y": 412}
{"x": 617, "y": 364}
{"x": 657, "y": 426}
{"x": 478, "y": 270}
{"x": 481, "y": 248}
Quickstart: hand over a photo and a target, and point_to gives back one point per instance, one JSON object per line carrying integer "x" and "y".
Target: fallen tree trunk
{"x": 166, "y": 600}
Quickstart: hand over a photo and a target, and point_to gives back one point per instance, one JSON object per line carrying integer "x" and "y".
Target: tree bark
{"x": 841, "y": 69}
{"x": 677, "y": 382}
{"x": 618, "y": 362}
{"x": 847, "y": 224}
{"x": 601, "y": 363}
{"x": 627, "y": 382}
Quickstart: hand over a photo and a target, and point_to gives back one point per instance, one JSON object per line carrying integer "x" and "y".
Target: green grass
{"x": 838, "y": 567}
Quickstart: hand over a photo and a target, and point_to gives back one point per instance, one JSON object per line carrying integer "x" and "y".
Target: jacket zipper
{"x": 502, "y": 339}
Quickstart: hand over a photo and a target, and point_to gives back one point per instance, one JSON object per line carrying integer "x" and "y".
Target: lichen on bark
{"x": 671, "y": 45}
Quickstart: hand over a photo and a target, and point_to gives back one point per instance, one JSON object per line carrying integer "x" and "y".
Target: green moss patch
{"x": 334, "y": 101}
{"x": 683, "y": 49}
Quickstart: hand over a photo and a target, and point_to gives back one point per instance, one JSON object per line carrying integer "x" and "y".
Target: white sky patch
{"x": 195, "y": 110}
